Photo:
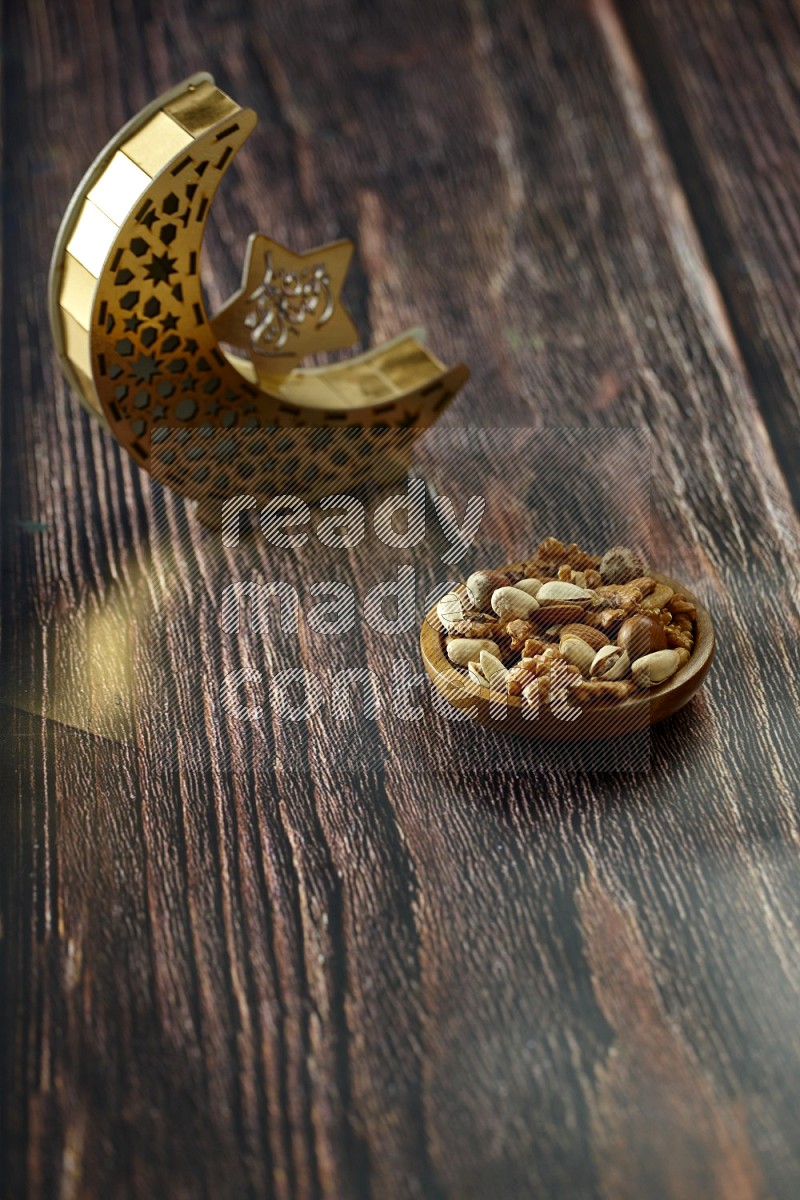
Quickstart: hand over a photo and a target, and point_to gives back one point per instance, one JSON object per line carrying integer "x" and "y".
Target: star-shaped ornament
{"x": 288, "y": 306}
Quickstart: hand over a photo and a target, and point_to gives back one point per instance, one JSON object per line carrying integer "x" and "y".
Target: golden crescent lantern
{"x": 137, "y": 345}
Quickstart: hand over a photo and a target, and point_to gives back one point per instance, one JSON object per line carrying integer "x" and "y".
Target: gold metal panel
{"x": 361, "y": 386}
{"x": 156, "y": 143}
{"x": 201, "y": 107}
{"x": 89, "y": 393}
{"x": 152, "y": 356}
{"x": 119, "y": 187}
{"x": 76, "y": 340}
{"x": 92, "y": 238}
{"x": 77, "y": 291}
{"x": 289, "y": 306}
{"x": 408, "y": 365}
{"x": 312, "y": 389}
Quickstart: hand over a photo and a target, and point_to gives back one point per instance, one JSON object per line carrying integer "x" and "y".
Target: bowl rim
{"x": 637, "y": 710}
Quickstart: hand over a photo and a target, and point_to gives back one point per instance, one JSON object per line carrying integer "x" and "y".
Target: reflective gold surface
{"x": 134, "y": 333}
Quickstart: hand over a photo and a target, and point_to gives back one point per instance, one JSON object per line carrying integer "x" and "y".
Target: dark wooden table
{"x": 227, "y": 977}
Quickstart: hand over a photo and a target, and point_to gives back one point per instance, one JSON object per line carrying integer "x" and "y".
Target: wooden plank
{"x": 243, "y": 967}
{"x": 722, "y": 80}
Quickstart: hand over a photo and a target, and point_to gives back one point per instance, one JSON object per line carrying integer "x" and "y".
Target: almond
{"x": 510, "y": 602}
{"x": 462, "y": 651}
{"x": 560, "y": 592}
{"x": 531, "y": 586}
{"x": 450, "y": 610}
{"x": 493, "y": 670}
{"x": 555, "y": 614}
{"x": 593, "y": 637}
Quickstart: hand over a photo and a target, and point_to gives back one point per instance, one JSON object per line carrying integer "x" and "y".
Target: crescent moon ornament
{"x": 137, "y": 345}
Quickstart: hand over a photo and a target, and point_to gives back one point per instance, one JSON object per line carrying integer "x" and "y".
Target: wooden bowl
{"x": 595, "y": 721}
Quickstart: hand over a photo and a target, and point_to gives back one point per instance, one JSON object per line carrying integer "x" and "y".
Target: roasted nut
{"x": 578, "y": 652}
{"x": 619, "y": 565}
{"x": 661, "y": 594}
{"x": 656, "y": 668}
{"x": 555, "y": 614}
{"x": 563, "y": 593}
{"x": 641, "y": 634}
{"x": 477, "y": 626}
{"x": 679, "y": 604}
{"x": 593, "y": 637}
{"x": 643, "y": 583}
{"x": 607, "y": 620}
{"x": 481, "y": 584}
{"x": 682, "y": 639}
{"x": 586, "y": 690}
{"x": 531, "y": 586}
{"x": 493, "y": 670}
{"x": 476, "y": 675}
{"x": 610, "y": 662}
{"x": 536, "y": 691}
{"x": 619, "y": 595}
{"x": 553, "y": 551}
{"x": 462, "y": 651}
{"x": 518, "y": 677}
{"x": 510, "y": 602}
{"x": 549, "y": 617}
{"x": 450, "y": 610}
{"x": 518, "y": 632}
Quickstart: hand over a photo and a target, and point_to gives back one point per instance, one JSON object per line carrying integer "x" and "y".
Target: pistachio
{"x": 476, "y": 675}
{"x": 610, "y": 662}
{"x": 481, "y": 584}
{"x": 641, "y": 634}
{"x": 593, "y": 637}
{"x": 656, "y": 668}
{"x": 604, "y": 624}
{"x": 559, "y": 592}
{"x": 462, "y": 651}
{"x": 578, "y": 652}
{"x": 510, "y": 602}
{"x": 493, "y": 670}
{"x": 450, "y": 610}
{"x": 531, "y": 586}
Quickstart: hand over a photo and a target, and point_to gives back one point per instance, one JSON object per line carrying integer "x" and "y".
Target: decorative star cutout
{"x": 288, "y": 306}
{"x": 144, "y": 368}
{"x": 160, "y": 268}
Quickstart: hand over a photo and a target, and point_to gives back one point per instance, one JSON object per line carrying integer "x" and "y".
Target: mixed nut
{"x": 602, "y": 623}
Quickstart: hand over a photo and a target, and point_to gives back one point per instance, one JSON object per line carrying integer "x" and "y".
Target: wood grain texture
{"x": 324, "y": 960}
{"x": 723, "y": 80}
